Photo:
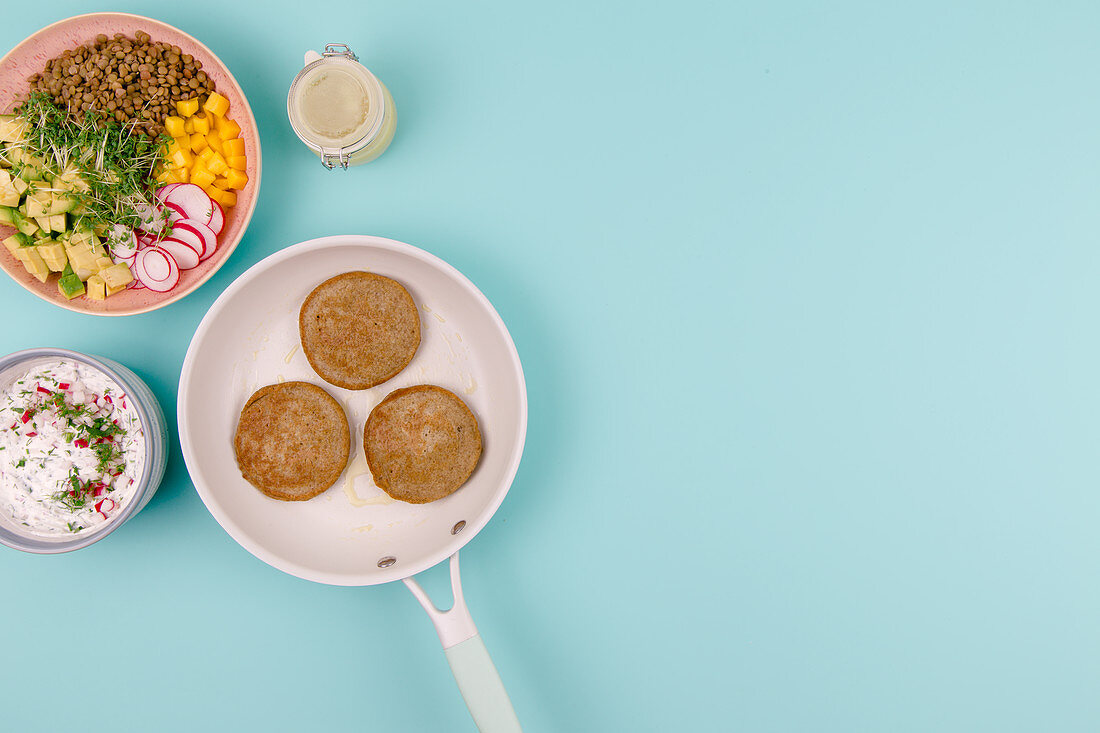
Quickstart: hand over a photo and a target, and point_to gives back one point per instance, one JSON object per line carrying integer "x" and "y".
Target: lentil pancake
{"x": 292, "y": 440}
{"x": 359, "y": 329}
{"x": 422, "y": 443}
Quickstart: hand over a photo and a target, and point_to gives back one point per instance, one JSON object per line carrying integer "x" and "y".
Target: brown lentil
{"x": 130, "y": 79}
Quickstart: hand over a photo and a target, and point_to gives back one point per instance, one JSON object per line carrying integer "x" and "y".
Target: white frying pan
{"x": 353, "y": 534}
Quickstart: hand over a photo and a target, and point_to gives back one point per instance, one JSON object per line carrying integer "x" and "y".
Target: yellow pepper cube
{"x": 181, "y": 158}
{"x": 232, "y": 145}
{"x": 176, "y": 175}
{"x": 216, "y": 104}
{"x": 227, "y": 128}
{"x": 187, "y": 107}
{"x": 202, "y": 177}
{"x": 198, "y": 142}
{"x": 237, "y": 161}
{"x": 189, "y": 125}
{"x": 217, "y": 164}
{"x": 236, "y": 179}
{"x": 202, "y": 123}
{"x": 174, "y": 126}
{"x": 227, "y": 199}
{"x": 214, "y": 140}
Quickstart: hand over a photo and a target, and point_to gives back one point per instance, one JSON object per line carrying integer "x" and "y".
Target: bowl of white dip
{"x": 83, "y": 445}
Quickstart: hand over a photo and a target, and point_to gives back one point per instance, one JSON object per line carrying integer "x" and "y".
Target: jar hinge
{"x": 340, "y": 49}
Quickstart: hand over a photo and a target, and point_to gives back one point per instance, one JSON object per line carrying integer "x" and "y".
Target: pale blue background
{"x": 807, "y": 301}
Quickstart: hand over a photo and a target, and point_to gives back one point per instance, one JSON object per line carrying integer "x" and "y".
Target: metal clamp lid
{"x": 331, "y": 158}
{"x": 340, "y": 49}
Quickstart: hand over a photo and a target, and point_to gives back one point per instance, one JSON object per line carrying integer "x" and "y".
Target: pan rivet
{"x": 386, "y": 562}
{"x": 458, "y": 527}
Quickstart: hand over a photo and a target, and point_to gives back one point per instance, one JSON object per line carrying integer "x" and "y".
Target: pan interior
{"x": 249, "y": 339}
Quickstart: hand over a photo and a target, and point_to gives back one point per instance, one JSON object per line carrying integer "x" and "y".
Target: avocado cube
{"x": 17, "y": 240}
{"x": 23, "y": 224}
{"x": 81, "y": 235}
{"x": 9, "y": 197}
{"x": 70, "y": 286}
{"x": 54, "y": 256}
{"x": 38, "y": 203}
{"x": 12, "y": 128}
{"x": 5, "y": 214}
{"x": 57, "y": 223}
{"x": 34, "y": 264}
{"x": 33, "y": 168}
{"x": 102, "y": 263}
{"x": 43, "y": 223}
{"x": 83, "y": 265}
{"x": 97, "y": 289}
{"x": 117, "y": 276}
{"x": 74, "y": 181}
{"x": 62, "y": 203}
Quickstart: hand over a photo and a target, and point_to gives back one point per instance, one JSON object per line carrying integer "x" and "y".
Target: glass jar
{"x": 339, "y": 109}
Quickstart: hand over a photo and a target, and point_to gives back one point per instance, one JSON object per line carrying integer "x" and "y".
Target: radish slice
{"x": 191, "y": 200}
{"x": 184, "y": 255}
{"x": 189, "y": 230}
{"x": 188, "y": 236}
{"x": 165, "y": 190}
{"x": 122, "y": 241}
{"x": 128, "y": 261}
{"x": 217, "y": 218}
{"x": 156, "y": 269}
{"x": 152, "y": 218}
{"x": 175, "y": 211}
{"x": 144, "y": 239}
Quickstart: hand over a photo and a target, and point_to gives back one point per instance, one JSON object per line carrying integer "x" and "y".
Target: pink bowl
{"x": 30, "y": 57}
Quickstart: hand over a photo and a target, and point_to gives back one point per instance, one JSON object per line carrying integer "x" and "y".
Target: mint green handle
{"x": 480, "y": 685}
